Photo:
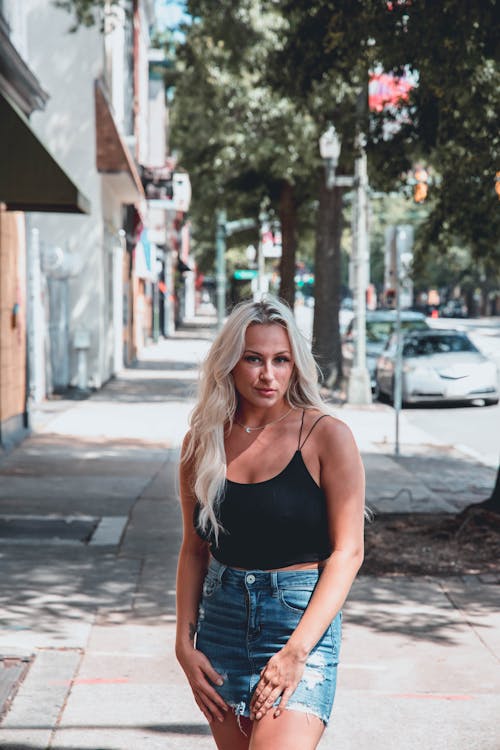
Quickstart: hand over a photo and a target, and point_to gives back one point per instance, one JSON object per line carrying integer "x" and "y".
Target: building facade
{"x": 88, "y": 255}
{"x": 31, "y": 178}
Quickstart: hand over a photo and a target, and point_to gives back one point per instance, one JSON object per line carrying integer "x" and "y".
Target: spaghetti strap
{"x": 312, "y": 428}
{"x": 301, "y": 426}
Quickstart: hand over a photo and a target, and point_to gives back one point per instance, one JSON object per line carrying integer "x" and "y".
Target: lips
{"x": 266, "y": 391}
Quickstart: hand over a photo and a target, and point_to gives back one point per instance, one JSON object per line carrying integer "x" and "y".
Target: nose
{"x": 266, "y": 372}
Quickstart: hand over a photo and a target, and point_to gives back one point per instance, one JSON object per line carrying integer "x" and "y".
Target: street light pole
{"x": 225, "y": 229}
{"x": 220, "y": 262}
{"x": 359, "y": 386}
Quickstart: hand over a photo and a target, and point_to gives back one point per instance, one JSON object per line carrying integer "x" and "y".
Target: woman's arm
{"x": 191, "y": 569}
{"x": 342, "y": 479}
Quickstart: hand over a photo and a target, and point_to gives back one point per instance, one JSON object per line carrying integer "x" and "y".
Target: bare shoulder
{"x": 330, "y": 434}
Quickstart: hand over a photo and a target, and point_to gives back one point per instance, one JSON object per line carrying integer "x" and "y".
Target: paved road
{"x": 472, "y": 429}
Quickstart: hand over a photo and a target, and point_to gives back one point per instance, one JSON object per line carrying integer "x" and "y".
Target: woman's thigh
{"x": 233, "y": 733}
{"x": 291, "y": 730}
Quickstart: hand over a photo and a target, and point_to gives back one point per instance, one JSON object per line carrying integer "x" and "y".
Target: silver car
{"x": 380, "y": 325}
{"x": 438, "y": 365}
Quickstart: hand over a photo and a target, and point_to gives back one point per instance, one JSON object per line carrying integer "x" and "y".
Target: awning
{"x": 30, "y": 177}
{"x": 113, "y": 157}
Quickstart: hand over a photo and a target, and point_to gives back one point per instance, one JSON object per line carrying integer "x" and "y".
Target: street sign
{"x": 245, "y": 274}
{"x": 181, "y": 188}
{"x": 239, "y": 225}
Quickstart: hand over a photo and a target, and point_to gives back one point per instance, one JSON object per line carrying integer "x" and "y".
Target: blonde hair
{"x": 217, "y": 398}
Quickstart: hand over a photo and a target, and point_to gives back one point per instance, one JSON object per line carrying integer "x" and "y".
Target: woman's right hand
{"x": 200, "y": 675}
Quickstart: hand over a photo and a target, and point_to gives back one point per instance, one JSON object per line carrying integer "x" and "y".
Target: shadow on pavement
{"x": 193, "y": 730}
{"x": 422, "y": 609}
{"x": 160, "y": 390}
{"x": 163, "y": 364}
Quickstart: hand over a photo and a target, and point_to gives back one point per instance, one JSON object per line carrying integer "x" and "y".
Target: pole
{"x": 220, "y": 276}
{"x": 359, "y": 386}
{"x": 261, "y": 261}
{"x": 398, "y": 366}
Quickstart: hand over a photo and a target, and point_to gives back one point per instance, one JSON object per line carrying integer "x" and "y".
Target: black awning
{"x": 30, "y": 177}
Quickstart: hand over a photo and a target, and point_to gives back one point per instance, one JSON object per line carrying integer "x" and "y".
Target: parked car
{"x": 379, "y": 327}
{"x": 438, "y": 365}
{"x": 346, "y": 314}
{"x": 454, "y": 308}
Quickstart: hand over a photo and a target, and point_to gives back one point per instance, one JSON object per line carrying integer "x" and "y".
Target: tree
{"x": 449, "y": 121}
{"x": 327, "y": 262}
{"x": 450, "y": 118}
{"x": 231, "y": 130}
{"x": 493, "y": 502}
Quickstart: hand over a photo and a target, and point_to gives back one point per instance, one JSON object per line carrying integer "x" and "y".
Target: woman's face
{"x": 263, "y": 373}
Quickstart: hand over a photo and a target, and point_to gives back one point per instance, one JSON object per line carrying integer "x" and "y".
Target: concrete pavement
{"x": 95, "y": 613}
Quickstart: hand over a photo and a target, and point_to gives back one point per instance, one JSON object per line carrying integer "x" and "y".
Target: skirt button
{"x": 250, "y": 578}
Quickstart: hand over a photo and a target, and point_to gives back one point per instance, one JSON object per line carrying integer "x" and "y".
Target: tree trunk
{"x": 492, "y": 504}
{"x": 288, "y": 219}
{"x": 494, "y": 500}
{"x": 327, "y": 276}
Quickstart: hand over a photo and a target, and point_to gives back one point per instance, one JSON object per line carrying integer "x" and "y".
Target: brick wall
{"x": 12, "y": 315}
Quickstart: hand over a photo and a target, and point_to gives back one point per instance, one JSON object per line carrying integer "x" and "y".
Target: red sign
{"x": 386, "y": 89}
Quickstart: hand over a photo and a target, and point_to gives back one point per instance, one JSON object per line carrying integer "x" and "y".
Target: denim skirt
{"x": 246, "y": 616}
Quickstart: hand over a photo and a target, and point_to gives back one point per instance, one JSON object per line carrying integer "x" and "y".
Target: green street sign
{"x": 245, "y": 274}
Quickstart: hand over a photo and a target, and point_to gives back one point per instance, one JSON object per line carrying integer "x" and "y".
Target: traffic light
{"x": 421, "y": 185}
{"x": 390, "y": 298}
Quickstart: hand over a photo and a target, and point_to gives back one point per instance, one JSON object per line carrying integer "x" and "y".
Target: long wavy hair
{"x": 217, "y": 398}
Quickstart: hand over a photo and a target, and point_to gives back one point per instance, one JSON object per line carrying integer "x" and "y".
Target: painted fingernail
{"x": 276, "y": 714}
{"x": 220, "y": 682}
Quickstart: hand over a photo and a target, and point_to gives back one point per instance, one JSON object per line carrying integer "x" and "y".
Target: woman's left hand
{"x": 280, "y": 677}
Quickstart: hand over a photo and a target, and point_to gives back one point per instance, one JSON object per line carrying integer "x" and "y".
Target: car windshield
{"x": 378, "y": 331}
{"x": 444, "y": 344}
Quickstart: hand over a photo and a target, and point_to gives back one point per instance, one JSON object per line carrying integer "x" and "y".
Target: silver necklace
{"x": 261, "y": 427}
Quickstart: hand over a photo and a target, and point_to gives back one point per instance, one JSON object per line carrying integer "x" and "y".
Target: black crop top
{"x": 273, "y": 524}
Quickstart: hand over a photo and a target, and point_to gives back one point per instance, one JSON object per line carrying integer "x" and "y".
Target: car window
{"x": 421, "y": 347}
{"x": 414, "y": 325}
{"x": 378, "y": 331}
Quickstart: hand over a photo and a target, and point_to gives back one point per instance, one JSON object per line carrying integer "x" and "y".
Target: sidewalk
{"x": 95, "y": 611}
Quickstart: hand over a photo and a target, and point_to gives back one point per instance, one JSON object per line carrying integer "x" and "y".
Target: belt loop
{"x": 218, "y": 568}
{"x": 220, "y": 572}
{"x": 274, "y": 582}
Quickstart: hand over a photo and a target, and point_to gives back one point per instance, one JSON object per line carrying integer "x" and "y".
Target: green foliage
{"x": 452, "y": 48}
{"x": 91, "y": 12}
{"x": 238, "y": 139}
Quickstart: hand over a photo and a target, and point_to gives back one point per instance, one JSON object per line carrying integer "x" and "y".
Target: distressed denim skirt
{"x": 246, "y": 616}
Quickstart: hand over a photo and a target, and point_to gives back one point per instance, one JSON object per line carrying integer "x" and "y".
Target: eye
{"x": 282, "y": 359}
{"x": 252, "y": 358}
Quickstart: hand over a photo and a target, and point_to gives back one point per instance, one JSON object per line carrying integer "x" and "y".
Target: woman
{"x": 272, "y": 495}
